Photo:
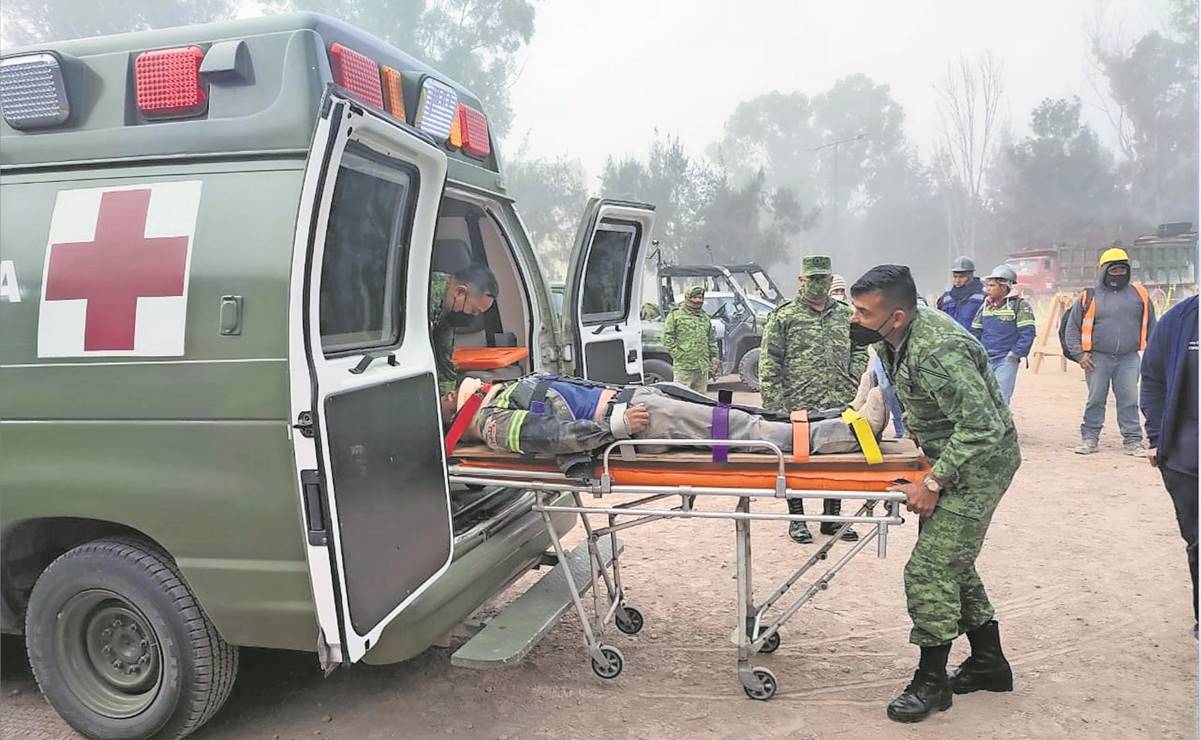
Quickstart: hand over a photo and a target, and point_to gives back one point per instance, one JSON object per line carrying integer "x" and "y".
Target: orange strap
{"x": 800, "y": 436}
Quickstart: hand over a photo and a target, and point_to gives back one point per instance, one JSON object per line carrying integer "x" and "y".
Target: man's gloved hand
{"x": 637, "y": 419}
{"x": 866, "y": 383}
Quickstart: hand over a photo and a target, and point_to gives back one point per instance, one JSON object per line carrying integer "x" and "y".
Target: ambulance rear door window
{"x": 366, "y": 252}
{"x": 609, "y": 274}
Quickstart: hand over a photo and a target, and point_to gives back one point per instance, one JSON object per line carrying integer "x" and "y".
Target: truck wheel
{"x": 119, "y": 646}
{"x": 656, "y": 371}
{"x": 748, "y": 370}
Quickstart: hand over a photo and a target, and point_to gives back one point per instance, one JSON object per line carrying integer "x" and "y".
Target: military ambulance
{"x": 219, "y": 423}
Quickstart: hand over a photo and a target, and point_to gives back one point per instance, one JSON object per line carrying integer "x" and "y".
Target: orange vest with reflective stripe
{"x": 1090, "y": 315}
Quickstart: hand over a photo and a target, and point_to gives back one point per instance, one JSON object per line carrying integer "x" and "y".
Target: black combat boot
{"x": 929, "y": 691}
{"x": 798, "y": 531}
{"x": 986, "y": 668}
{"x": 833, "y": 507}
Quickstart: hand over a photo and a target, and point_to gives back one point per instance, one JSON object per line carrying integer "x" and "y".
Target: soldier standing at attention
{"x": 691, "y": 340}
{"x": 807, "y": 362}
{"x": 955, "y": 412}
{"x": 469, "y": 292}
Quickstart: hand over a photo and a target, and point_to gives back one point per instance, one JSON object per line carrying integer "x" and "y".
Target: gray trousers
{"x": 672, "y": 418}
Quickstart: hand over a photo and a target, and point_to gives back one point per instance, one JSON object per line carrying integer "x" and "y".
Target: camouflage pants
{"x": 944, "y": 593}
{"x": 697, "y": 380}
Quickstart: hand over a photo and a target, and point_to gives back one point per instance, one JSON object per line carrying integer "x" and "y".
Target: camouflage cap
{"x": 694, "y": 291}
{"x": 816, "y": 264}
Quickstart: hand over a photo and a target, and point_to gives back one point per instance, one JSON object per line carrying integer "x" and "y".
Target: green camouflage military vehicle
{"x": 219, "y": 424}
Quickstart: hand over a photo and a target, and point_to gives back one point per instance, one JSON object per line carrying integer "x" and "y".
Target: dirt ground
{"x": 1083, "y": 562}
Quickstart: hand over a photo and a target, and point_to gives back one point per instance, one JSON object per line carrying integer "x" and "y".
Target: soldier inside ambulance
{"x": 542, "y": 414}
{"x": 454, "y": 299}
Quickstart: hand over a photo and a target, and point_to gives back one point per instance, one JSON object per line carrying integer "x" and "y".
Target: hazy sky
{"x": 599, "y": 77}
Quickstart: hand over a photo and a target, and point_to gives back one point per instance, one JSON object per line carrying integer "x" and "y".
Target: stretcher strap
{"x": 800, "y": 436}
{"x": 720, "y": 428}
{"x": 538, "y": 397}
{"x": 464, "y": 417}
{"x": 863, "y": 432}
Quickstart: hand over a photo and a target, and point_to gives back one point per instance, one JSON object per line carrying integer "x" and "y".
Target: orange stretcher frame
{"x": 488, "y": 358}
{"x": 903, "y": 463}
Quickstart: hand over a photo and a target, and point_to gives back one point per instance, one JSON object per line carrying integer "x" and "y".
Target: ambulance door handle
{"x": 231, "y": 315}
{"x": 369, "y": 358}
{"x": 314, "y": 516}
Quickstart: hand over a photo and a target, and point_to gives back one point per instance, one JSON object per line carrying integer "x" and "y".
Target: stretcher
{"x": 657, "y": 480}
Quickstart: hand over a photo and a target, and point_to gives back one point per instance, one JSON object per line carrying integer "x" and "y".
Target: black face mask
{"x": 1117, "y": 282}
{"x": 861, "y": 336}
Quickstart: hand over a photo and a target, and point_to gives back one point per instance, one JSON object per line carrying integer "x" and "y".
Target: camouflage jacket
{"x": 954, "y": 410}
{"x": 806, "y": 360}
{"x": 690, "y": 339}
{"x": 442, "y": 333}
{"x": 506, "y": 424}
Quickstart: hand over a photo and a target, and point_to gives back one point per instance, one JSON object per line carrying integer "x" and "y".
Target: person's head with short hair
{"x": 884, "y": 301}
{"x": 472, "y": 290}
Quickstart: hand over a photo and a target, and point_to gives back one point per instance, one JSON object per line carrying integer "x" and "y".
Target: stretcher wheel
{"x": 612, "y": 669}
{"x": 768, "y": 679}
{"x": 632, "y": 622}
{"x": 771, "y": 645}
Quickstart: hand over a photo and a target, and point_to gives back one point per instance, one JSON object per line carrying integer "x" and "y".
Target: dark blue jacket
{"x": 962, "y": 304}
{"x": 1163, "y": 366}
{"x": 1007, "y": 329}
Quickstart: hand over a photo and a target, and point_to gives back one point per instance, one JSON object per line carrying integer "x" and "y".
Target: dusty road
{"x": 1083, "y": 562}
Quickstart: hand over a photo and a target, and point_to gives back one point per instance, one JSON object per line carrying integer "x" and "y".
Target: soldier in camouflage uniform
{"x": 954, "y": 410}
{"x": 691, "y": 340}
{"x": 454, "y": 299}
{"x": 806, "y": 361}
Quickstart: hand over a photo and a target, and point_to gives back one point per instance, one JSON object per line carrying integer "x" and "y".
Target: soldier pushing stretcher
{"x": 563, "y": 416}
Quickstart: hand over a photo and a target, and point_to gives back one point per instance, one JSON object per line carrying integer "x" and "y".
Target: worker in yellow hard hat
{"x": 1105, "y": 331}
{"x": 1114, "y": 254}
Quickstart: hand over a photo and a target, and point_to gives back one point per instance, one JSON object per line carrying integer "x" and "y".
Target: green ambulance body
{"x": 219, "y": 423}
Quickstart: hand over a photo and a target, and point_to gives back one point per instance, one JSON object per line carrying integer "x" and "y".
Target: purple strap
{"x": 721, "y": 426}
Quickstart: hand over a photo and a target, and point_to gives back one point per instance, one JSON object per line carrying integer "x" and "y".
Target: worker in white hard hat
{"x": 1106, "y": 329}
{"x": 1005, "y": 326}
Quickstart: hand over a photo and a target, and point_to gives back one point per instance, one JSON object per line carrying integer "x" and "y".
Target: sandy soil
{"x": 1083, "y": 562}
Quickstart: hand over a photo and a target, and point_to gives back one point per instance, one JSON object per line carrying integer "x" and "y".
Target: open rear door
{"x": 367, "y": 435}
{"x": 604, "y": 290}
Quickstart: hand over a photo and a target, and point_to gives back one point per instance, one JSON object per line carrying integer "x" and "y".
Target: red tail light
{"x": 474, "y": 128}
{"x": 169, "y": 84}
{"x": 357, "y": 73}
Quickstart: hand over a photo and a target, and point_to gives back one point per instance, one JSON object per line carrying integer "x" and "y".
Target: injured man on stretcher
{"x": 543, "y": 414}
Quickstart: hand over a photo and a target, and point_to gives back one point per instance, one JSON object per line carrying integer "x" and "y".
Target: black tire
{"x": 194, "y": 669}
{"x": 656, "y": 371}
{"x": 748, "y": 370}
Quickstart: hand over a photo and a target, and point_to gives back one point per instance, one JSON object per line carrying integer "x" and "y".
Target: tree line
{"x": 796, "y": 173}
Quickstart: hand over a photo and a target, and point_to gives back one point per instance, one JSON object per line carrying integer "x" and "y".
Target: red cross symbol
{"x": 118, "y": 267}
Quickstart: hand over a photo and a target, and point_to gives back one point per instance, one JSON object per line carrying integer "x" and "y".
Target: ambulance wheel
{"x": 611, "y": 669}
{"x": 633, "y": 621}
{"x": 120, "y": 647}
{"x": 768, "y": 690}
{"x": 771, "y": 644}
{"x": 748, "y": 370}
{"x": 656, "y": 371}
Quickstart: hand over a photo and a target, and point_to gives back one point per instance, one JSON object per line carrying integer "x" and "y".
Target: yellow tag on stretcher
{"x": 863, "y": 432}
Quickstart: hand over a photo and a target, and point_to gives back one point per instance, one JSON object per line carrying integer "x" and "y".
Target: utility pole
{"x": 834, "y": 185}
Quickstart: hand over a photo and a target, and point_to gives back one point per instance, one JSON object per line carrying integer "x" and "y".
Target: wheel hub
{"x": 108, "y": 653}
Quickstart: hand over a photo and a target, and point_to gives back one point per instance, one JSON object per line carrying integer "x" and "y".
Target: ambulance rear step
{"x": 513, "y": 633}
